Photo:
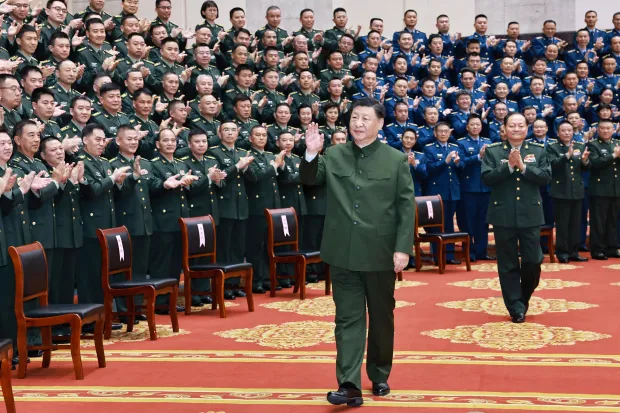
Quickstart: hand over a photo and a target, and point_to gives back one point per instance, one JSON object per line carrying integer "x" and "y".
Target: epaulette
{"x": 42, "y": 62}
{"x": 222, "y": 148}
{"x": 54, "y": 122}
{"x": 16, "y": 159}
{"x": 154, "y": 159}
{"x": 185, "y": 158}
{"x": 262, "y": 28}
{"x": 460, "y": 139}
{"x": 82, "y": 49}
{"x": 118, "y": 16}
{"x": 64, "y": 128}
{"x": 598, "y": 77}
{"x": 453, "y": 144}
{"x": 495, "y": 144}
{"x": 82, "y": 156}
{"x": 538, "y": 37}
{"x": 389, "y": 125}
{"x": 119, "y": 40}
{"x": 295, "y": 156}
{"x": 430, "y": 144}
{"x": 157, "y": 64}
{"x": 13, "y": 58}
{"x": 324, "y": 70}
{"x": 270, "y": 153}
{"x": 418, "y": 152}
{"x": 315, "y": 95}
{"x": 537, "y": 144}
{"x": 210, "y": 157}
{"x": 553, "y": 143}
{"x": 195, "y": 120}
{"x": 96, "y": 113}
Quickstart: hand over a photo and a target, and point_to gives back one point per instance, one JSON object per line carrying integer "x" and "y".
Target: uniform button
{"x": 571, "y": 167}
{"x": 112, "y": 210}
{"x": 182, "y": 205}
{"x": 91, "y": 214}
{"x": 518, "y": 189}
{"x": 221, "y": 197}
{"x": 557, "y": 182}
{"x": 362, "y": 155}
{"x": 139, "y": 181}
{"x": 238, "y": 184}
{"x": 518, "y": 198}
{"x": 467, "y": 177}
{"x": 238, "y": 176}
{"x": 34, "y": 223}
{"x": 495, "y": 202}
{"x": 274, "y": 184}
{"x": 354, "y": 222}
{"x": 140, "y": 189}
{"x": 124, "y": 213}
{"x": 573, "y": 179}
{"x": 22, "y": 212}
{"x": 275, "y": 191}
{"x": 182, "y": 197}
{"x": 298, "y": 186}
{"x": 164, "y": 211}
{"x": 24, "y": 222}
{"x": 313, "y": 197}
{"x": 357, "y": 206}
{"x": 299, "y": 193}
{"x": 257, "y": 196}
{"x": 518, "y": 179}
{"x": 599, "y": 179}
{"x": 360, "y": 171}
{"x": 283, "y": 197}
{"x": 357, "y": 187}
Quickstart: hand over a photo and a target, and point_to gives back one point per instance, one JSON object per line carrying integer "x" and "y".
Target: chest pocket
{"x": 379, "y": 175}
{"x": 342, "y": 173}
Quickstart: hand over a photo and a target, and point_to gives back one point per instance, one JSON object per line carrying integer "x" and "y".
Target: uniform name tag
{"x": 285, "y": 226}
{"x": 201, "y": 235}
{"x": 121, "y": 250}
{"x": 531, "y": 158}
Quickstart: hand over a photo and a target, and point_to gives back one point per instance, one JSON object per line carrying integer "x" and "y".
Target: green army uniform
{"x": 116, "y": 32}
{"x": 92, "y": 59}
{"x": 370, "y": 216}
{"x": 516, "y": 213}
{"x": 604, "y": 191}
{"x": 309, "y": 34}
{"x": 63, "y": 96}
{"x": 120, "y": 43}
{"x": 110, "y": 124}
{"x": 232, "y": 205}
{"x": 51, "y": 128}
{"x": 189, "y": 88}
{"x": 14, "y": 231}
{"x": 300, "y": 98}
{"x": 245, "y": 128}
{"x": 147, "y": 148}
{"x": 127, "y": 103}
{"x": 157, "y": 74}
{"x": 169, "y": 28}
{"x": 46, "y": 34}
{"x": 215, "y": 31}
{"x": 327, "y": 134}
{"x": 228, "y": 42}
{"x": 97, "y": 207}
{"x": 4, "y": 54}
{"x": 348, "y": 58}
{"x": 182, "y": 149}
{"x": 328, "y": 74}
{"x": 104, "y": 16}
{"x": 263, "y": 192}
{"x": 211, "y": 128}
{"x": 344, "y": 115}
{"x": 25, "y": 109}
{"x": 202, "y": 201}
{"x": 71, "y": 130}
{"x": 228, "y": 101}
{"x": 333, "y": 35}
{"x": 567, "y": 193}
{"x": 27, "y": 61}
{"x": 51, "y": 79}
{"x": 126, "y": 64}
{"x": 314, "y": 222}
{"x": 265, "y": 114}
{"x": 281, "y": 34}
{"x": 133, "y": 210}
{"x": 273, "y": 133}
{"x": 168, "y": 205}
{"x": 11, "y": 118}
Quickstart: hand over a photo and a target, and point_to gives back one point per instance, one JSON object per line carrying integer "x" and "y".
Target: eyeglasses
{"x": 14, "y": 89}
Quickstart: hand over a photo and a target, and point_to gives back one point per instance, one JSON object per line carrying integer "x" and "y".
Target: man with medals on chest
{"x": 202, "y": 198}
{"x": 169, "y": 203}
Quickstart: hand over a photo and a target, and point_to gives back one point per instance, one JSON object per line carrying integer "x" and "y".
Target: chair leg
{"x": 22, "y": 348}
{"x": 76, "y": 356}
{"x": 273, "y": 279}
{"x": 297, "y": 279}
{"x": 248, "y": 290}
{"x": 440, "y": 258}
{"x": 174, "y": 317}
{"x": 187, "y": 292}
{"x": 301, "y": 267}
{"x": 108, "y": 317}
{"x": 400, "y": 276}
{"x": 328, "y": 280}
{"x": 5, "y": 379}
{"x": 150, "y": 314}
{"x": 46, "y": 338}
{"x": 467, "y": 259}
{"x": 550, "y": 247}
{"x": 418, "y": 258}
{"x": 131, "y": 308}
{"x": 215, "y": 290}
{"x": 99, "y": 343}
{"x": 220, "y": 295}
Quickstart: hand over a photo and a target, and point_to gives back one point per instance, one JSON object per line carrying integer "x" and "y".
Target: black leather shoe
{"x": 578, "y": 259}
{"x": 614, "y": 254}
{"x": 239, "y": 293}
{"x": 518, "y": 318}
{"x": 349, "y": 395}
{"x": 266, "y": 287}
{"x": 125, "y": 319}
{"x": 140, "y": 317}
{"x": 487, "y": 258}
{"x": 599, "y": 256}
{"x": 229, "y": 295}
{"x": 35, "y": 353}
{"x": 453, "y": 262}
{"x": 115, "y": 326}
{"x": 380, "y": 389}
{"x": 285, "y": 284}
{"x": 312, "y": 278}
{"x": 472, "y": 259}
{"x": 206, "y": 299}
{"x": 583, "y": 248}
{"x": 197, "y": 302}
{"x": 258, "y": 290}
{"x": 563, "y": 260}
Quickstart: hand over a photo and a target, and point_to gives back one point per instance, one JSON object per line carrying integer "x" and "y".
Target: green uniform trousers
{"x": 567, "y": 214}
{"x": 62, "y": 281}
{"x": 231, "y": 244}
{"x": 256, "y": 249}
{"x": 353, "y": 292}
{"x": 140, "y": 246}
{"x": 89, "y": 273}
{"x": 518, "y": 280}
{"x": 165, "y": 259}
{"x": 8, "y": 322}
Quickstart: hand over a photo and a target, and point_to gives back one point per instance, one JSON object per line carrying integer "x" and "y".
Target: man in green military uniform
{"x": 515, "y": 170}
{"x": 604, "y": 192}
{"x": 93, "y": 54}
{"x": 202, "y": 197}
{"x": 243, "y": 81}
{"x": 205, "y": 120}
{"x": 305, "y": 96}
{"x": 10, "y": 99}
{"x": 243, "y": 110}
{"x": 97, "y": 207}
{"x": 282, "y": 115}
{"x": 66, "y": 74}
{"x": 133, "y": 206}
{"x": 59, "y": 50}
{"x": 136, "y": 47}
{"x": 274, "y": 17}
{"x": 27, "y": 41}
{"x": 95, "y": 6}
{"x": 369, "y": 236}
{"x": 168, "y": 64}
{"x": 31, "y": 78}
{"x": 232, "y": 200}
{"x": 266, "y": 100}
{"x": 110, "y": 117}
{"x": 169, "y": 203}
{"x": 43, "y": 106}
{"x": 143, "y": 106}
{"x": 67, "y": 226}
{"x": 80, "y": 109}
{"x": 129, "y": 24}
{"x": 163, "y": 8}
{"x": 262, "y": 189}
{"x": 568, "y": 159}
{"x": 129, "y": 8}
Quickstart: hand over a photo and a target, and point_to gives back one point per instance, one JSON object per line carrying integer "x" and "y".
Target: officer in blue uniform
{"x": 394, "y": 131}
{"x": 474, "y": 193}
{"x": 442, "y": 162}
{"x": 458, "y": 118}
{"x": 417, "y": 160}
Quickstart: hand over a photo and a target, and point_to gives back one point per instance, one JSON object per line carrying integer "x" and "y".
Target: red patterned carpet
{"x": 455, "y": 351}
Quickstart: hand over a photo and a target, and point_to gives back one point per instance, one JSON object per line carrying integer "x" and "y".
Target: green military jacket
{"x": 132, "y": 201}
{"x": 228, "y": 101}
{"x": 168, "y": 205}
{"x": 11, "y": 118}
{"x": 69, "y": 226}
{"x": 281, "y": 34}
{"x": 232, "y": 196}
{"x": 328, "y": 74}
{"x": 51, "y": 79}
{"x": 261, "y": 182}
{"x": 51, "y": 128}
{"x": 370, "y": 205}
{"x": 96, "y": 195}
{"x": 291, "y": 189}
{"x": 300, "y": 98}
{"x": 309, "y": 34}
{"x": 265, "y": 115}
{"x": 515, "y": 197}
{"x": 26, "y": 107}
{"x": 63, "y": 96}
{"x": 15, "y": 223}
{"x": 273, "y": 133}
{"x": 27, "y": 61}
{"x": 147, "y": 148}
{"x": 566, "y": 179}
{"x": 604, "y": 176}
{"x": 316, "y": 199}
{"x": 92, "y": 59}
{"x": 71, "y": 130}
{"x": 126, "y": 65}
{"x": 42, "y": 205}
{"x": 245, "y": 128}
{"x": 159, "y": 69}
{"x": 117, "y": 33}
{"x": 211, "y": 128}
{"x": 202, "y": 196}
{"x": 110, "y": 124}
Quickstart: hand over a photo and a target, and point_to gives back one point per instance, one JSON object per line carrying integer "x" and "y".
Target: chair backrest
{"x": 116, "y": 254}
{"x": 282, "y": 227}
{"x": 429, "y": 212}
{"x": 30, "y": 264}
{"x": 198, "y": 238}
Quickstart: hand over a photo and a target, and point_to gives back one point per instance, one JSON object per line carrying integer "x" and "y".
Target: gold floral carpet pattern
{"x": 455, "y": 350}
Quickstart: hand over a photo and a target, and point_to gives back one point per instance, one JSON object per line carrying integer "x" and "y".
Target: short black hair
{"x": 481, "y": 16}
{"x": 206, "y": 5}
{"x": 76, "y": 99}
{"x": 90, "y": 128}
{"x": 511, "y": 114}
{"x": 19, "y": 127}
{"x": 367, "y": 102}
{"x": 129, "y": 17}
{"x": 338, "y": 10}
{"x": 40, "y": 92}
{"x": 234, "y": 10}
{"x": 241, "y": 98}
{"x": 142, "y": 91}
{"x": 108, "y": 87}
{"x": 301, "y": 13}
{"x": 26, "y": 29}
{"x": 195, "y": 132}
{"x": 92, "y": 22}
{"x": 169, "y": 40}
{"x": 58, "y": 35}
{"x": 241, "y": 68}
{"x": 28, "y": 68}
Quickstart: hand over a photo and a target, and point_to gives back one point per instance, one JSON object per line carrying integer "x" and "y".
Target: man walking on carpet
{"x": 367, "y": 239}
{"x": 515, "y": 170}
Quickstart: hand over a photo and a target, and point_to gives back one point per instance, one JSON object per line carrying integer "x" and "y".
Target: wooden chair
{"x": 198, "y": 237}
{"x": 116, "y": 258}
{"x": 283, "y": 230}
{"x": 547, "y": 230}
{"x": 429, "y": 214}
{"x": 30, "y": 266}
{"x": 6, "y": 357}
